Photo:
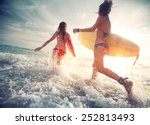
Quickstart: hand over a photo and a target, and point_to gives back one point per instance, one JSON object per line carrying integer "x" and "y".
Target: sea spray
{"x": 26, "y": 80}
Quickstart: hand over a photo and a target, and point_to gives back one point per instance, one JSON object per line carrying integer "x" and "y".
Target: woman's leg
{"x": 54, "y": 60}
{"x": 98, "y": 65}
{"x": 61, "y": 54}
{"x": 95, "y": 71}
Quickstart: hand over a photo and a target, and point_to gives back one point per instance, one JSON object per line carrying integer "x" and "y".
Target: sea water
{"x": 27, "y": 80}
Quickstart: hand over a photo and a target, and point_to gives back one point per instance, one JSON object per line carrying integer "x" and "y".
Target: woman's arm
{"x": 90, "y": 29}
{"x": 48, "y": 41}
{"x": 70, "y": 46}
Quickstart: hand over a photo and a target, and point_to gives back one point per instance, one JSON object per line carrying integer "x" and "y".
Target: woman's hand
{"x": 38, "y": 49}
{"x": 76, "y": 30}
{"x": 74, "y": 55}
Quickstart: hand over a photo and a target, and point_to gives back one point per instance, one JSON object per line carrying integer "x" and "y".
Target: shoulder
{"x": 57, "y": 33}
{"x": 67, "y": 34}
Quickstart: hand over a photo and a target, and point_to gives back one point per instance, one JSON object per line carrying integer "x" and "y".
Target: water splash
{"x": 26, "y": 80}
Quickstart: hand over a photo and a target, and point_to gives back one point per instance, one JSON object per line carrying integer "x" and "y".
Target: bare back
{"x": 61, "y": 43}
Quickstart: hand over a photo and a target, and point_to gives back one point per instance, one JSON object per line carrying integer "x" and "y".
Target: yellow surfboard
{"x": 118, "y": 46}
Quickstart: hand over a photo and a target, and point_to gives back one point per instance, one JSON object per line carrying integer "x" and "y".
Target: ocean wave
{"x": 27, "y": 80}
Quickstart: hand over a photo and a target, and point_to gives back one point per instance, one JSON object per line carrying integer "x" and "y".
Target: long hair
{"x": 61, "y": 29}
{"x": 105, "y": 8}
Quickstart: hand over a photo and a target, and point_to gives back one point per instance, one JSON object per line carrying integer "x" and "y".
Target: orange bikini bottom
{"x": 59, "y": 52}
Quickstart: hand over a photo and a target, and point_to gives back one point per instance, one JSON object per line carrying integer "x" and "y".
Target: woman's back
{"x": 61, "y": 41}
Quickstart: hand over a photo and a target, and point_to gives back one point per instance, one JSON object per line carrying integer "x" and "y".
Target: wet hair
{"x": 105, "y": 8}
{"x": 61, "y": 29}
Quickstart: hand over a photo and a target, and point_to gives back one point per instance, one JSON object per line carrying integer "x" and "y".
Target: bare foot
{"x": 127, "y": 85}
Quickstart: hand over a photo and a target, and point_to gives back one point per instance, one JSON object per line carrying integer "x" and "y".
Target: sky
{"x": 28, "y": 23}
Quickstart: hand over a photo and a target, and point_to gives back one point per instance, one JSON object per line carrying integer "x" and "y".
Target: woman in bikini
{"x": 103, "y": 29}
{"x": 63, "y": 39}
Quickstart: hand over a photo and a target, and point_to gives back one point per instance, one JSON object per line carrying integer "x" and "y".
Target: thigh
{"x": 99, "y": 54}
{"x": 55, "y": 54}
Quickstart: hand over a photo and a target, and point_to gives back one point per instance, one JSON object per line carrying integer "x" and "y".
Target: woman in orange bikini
{"x": 103, "y": 28}
{"x": 63, "y": 39}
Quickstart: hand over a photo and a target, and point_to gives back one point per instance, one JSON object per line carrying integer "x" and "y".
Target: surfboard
{"x": 118, "y": 46}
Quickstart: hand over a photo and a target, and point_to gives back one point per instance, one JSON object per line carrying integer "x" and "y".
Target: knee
{"x": 101, "y": 69}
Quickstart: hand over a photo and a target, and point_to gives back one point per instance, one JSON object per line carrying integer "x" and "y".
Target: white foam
{"x": 31, "y": 81}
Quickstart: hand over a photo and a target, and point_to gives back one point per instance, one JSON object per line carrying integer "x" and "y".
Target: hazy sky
{"x": 28, "y": 23}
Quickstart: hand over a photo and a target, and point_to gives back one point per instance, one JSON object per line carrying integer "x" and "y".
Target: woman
{"x": 63, "y": 39}
{"x": 103, "y": 29}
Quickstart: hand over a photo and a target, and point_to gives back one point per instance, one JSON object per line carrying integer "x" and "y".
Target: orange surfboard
{"x": 118, "y": 46}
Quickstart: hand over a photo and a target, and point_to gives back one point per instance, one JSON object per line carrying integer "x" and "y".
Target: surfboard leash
{"x": 137, "y": 57}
